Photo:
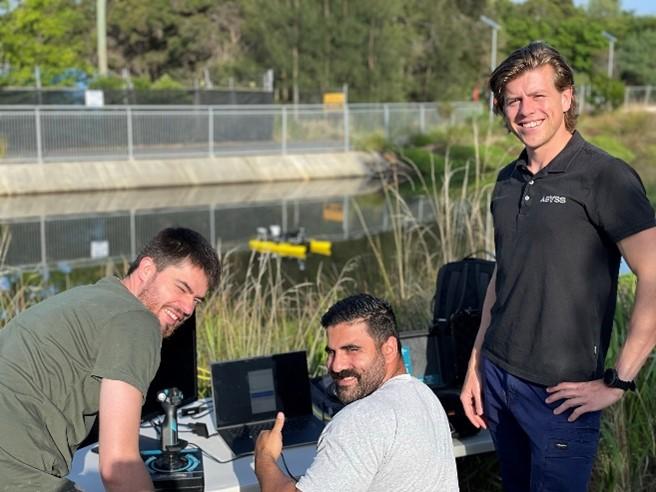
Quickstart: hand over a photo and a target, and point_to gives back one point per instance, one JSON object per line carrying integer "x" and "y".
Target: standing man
{"x": 564, "y": 213}
{"x": 93, "y": 351}
{"x": 392, "y": 435}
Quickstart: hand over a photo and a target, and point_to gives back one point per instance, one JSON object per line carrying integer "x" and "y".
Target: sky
{"x": 639, "y": 7}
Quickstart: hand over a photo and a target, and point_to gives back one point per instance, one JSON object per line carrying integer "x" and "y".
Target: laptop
{"x": 421, "y": 356}
{"x": 247, "y": 394}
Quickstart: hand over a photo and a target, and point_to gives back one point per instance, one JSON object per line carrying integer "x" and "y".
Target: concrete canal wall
{"x": 57, "y": 177}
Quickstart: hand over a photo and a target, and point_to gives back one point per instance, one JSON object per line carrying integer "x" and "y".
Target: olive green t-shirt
{"x": 52, "y": 359}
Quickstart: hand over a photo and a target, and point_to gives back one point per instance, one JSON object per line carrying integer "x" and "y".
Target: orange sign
{"x": 333, "y": 212}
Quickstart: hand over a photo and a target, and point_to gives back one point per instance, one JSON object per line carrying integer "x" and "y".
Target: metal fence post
{"x": 422, "y": 118}
{"x": 284, "y": 131}
{"x": 210, "y": 131}
{"x": 212, "y": 224}
{"x": 347, "y": 137}
{"x": 130, "y": 143}
{"x": 39, "y": 141}
{"x": 345, "y": 217}
{"x": 42, "y": 234}
{"x": 386, "y": 115}
{"x": 133, "y": 235}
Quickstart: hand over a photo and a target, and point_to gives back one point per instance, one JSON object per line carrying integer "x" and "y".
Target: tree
{"x": 635, "y": 57}
{"x": 447, "y": 61}
{"x": 179, "y": 38}
{"x": 604, "y": 8}
{"x": 569, "y": 29}
{"x": 50, "y": 34}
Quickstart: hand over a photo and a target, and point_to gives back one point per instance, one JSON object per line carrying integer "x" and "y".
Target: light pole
{"x": 611, "y": 50}
{"x": 493, "y": 51}
{"x": 101, "y": 28}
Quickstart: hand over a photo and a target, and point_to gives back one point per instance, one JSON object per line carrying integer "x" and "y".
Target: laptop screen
{"x": 424, "y": 356}
{"x": 253, "y": 389}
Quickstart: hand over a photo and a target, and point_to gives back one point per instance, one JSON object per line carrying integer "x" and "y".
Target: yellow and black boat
{"x": 292, "y": 245}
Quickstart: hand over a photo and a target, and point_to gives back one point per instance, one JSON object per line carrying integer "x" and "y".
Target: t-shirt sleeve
{"x": 130, "y": 350}
{"x": 622, "y": 207}
{"x": 349, "y": 454}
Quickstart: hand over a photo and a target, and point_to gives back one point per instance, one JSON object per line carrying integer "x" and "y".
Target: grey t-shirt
{"x": 397, "y": 438}
{"x": 52, "y": 359}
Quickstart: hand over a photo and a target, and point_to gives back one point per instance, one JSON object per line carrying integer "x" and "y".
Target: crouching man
{"x": 392, "y": 435}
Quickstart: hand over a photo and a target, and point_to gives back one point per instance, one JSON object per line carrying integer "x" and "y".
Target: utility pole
{"x": 611, "y": 51}
{"x": 101, "y": 29}
{"x": 493, "y": 51}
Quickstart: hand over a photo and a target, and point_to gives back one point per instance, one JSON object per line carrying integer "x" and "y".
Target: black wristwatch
{"x": 612, "y": 380}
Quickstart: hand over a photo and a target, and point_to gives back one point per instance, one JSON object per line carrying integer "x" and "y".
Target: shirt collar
{"x": 559, "y": 164}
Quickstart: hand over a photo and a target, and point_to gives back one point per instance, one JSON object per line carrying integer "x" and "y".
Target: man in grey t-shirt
{"x": 392, "y": 435}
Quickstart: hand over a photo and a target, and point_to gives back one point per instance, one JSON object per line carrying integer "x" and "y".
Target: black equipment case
{"x": 457, "y": 304}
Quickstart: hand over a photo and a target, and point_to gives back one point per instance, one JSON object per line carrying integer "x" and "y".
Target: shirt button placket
{"x": 527, "y": 194}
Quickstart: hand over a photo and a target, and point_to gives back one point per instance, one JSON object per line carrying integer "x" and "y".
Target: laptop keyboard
{"x": 253, "y": 430}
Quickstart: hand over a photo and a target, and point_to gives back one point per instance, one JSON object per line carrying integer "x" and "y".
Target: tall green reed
{"x": 627, "y": 453}
{"x": 260, "y": 311}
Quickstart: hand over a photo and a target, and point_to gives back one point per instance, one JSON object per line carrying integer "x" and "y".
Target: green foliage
{"x": 107, "y": 82}
{"x": 628, "y": 434}
{"x": 50, "y": 34}
{"x": 165, "y": 82}
{"x": 396, "y": 50}
{"x": 560, "y": 24}
{"x": 635, "y": 59}
{"x": 606, "y": 92}
{"x": 372, "y": 142}
{"x": 180, "y": 38}
{"x": 613, "y": 146}
{"x": 141, "y": 83}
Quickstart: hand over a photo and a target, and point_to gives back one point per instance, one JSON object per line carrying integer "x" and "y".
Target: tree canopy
{"x": 392, "y": 50}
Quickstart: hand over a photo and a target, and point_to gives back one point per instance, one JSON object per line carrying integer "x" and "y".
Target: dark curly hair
{"x": 376, "y": 313}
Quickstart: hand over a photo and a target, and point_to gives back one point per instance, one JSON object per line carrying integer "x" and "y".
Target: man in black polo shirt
{"x": 564, "y": 214}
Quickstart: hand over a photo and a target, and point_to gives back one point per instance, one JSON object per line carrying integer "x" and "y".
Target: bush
{"x": 606, "y": 93}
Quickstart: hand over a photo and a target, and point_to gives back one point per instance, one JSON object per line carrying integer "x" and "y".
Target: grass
{"x": 627, "y": 453}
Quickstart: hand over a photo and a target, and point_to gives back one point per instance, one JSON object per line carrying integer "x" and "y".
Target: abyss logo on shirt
{"x": 553, "y": 199}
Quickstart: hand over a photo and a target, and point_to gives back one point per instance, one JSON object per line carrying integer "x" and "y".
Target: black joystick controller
{"x": 171, "y": 458}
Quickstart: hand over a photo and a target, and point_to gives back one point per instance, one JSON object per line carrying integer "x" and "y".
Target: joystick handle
{"x": 170, "y": 399}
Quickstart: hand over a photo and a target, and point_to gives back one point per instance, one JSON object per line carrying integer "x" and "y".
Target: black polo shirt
{"x": 555, "y": 235}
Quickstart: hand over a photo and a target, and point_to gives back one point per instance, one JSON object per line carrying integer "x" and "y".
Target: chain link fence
{"x": 67, "y": 133}
{"x": 644, "y": 95}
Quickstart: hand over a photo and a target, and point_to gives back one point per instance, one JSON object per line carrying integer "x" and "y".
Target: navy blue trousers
{"x": 538, "y": 451}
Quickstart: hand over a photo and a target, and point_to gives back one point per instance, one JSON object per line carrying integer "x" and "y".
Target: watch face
{"x": 610, "y": 377}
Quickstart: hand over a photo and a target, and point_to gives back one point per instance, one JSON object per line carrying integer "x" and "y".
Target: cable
{"x": 214, "y": 458}
{"x": 284, "y": 462}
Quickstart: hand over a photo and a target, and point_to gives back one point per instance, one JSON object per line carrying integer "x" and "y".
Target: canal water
{"x": 57, "y": 233}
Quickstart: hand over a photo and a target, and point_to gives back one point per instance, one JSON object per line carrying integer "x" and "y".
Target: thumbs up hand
{"x": 269, "y": 442}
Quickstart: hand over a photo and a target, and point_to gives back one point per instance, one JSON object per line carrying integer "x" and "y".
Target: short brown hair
{"x": 175, "y": 244}
{"x": 530, "y": 57}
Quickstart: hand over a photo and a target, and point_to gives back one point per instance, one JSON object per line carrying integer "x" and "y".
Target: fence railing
{"x": 65, "y": 133}
{"x": 644, "y": 95}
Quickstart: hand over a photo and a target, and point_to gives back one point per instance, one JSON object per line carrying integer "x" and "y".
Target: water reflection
{"x": 57, "y": 230}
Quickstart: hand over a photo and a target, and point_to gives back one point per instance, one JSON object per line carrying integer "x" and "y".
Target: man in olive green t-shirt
{"x": 93, "y": 351}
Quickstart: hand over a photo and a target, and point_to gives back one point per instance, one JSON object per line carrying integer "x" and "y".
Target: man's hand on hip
{"x": 583, "y": 397}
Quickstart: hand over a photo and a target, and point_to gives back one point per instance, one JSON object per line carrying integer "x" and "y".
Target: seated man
{"x": 392, "y": 435}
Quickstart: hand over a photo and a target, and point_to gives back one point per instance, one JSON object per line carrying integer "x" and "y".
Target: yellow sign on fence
{"x": 333, "y": 100}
